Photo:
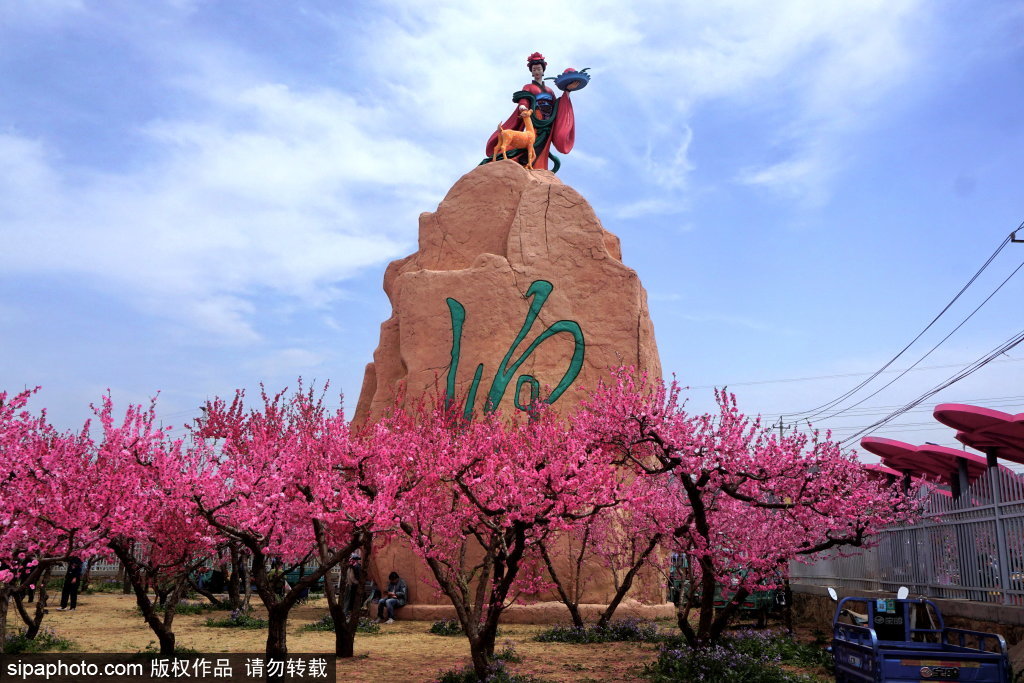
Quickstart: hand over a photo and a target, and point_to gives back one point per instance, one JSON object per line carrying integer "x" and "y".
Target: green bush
{"x": 781, "y": 647}
{"x": 634, "y": 630}
{"x": 238, "y": 619}
{"x": 451, "y": 627}
{"x": 46, "y": 639}
{"x": 746, "y": 656}
{"x": 326, "y": 623}
{"x": 104, "y": 586}
{"x": 446, "y": 627}
{"x": 508, "y": 653}
{"x": 496, "y": 674}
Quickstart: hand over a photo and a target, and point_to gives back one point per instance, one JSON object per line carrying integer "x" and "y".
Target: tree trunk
{"x": 572, "y": 605}
{"x": 627, "y": 582}
{"x": 344, "y": 626}
{"x": 277, "y": 636}
{"x": 246, "y": 579}
{"x": 481, "y": 648}
{"x": 205, "y": 593}
{"x": 234, "y": 594}
{"x": 5, "y": 594}
{"x": 120, "y": 577}
{"x": 721, "y": 620}
{"x": 126, "y": 584}
{"x": 345, "y": 630}
{"x": 33, "y": 622}
{"x": 787, "y": 609}
{"x": 139, "y": 582}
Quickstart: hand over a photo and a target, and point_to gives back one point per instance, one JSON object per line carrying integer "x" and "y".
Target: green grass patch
{"x": 780, "y": 646}
{"x": 45, "y": 641}
{"x": 508, "y": 653}
{"x": 631, "y": 630}
{"x": 238, "y": 619}
{"x": 446, "y": 627}
{"x": 496, "y": 674}
{"x": 104, "y": 587}
{"x": 745, "y": 656}
{"x": 326, "y": 623}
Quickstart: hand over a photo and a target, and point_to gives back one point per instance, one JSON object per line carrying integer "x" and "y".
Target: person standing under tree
{"x": 353, "y": 575}
{"x": 70, "y": 590}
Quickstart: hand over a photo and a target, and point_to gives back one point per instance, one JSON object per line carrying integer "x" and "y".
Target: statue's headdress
{"x": 536, "y": 58}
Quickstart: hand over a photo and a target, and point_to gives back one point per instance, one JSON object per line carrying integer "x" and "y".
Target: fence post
{"x": 997, "y": 499}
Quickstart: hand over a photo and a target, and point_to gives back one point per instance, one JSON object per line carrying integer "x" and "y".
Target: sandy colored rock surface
{"x": 499, "y": 230}
{"x": 502, "y": 242}
{"x": 403, "y": 651}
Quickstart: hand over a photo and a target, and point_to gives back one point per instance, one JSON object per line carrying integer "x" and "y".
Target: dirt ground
{"x": 403, "y": 651}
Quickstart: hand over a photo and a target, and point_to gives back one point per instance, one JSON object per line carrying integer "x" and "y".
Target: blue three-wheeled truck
{"x": 883, "y": 640}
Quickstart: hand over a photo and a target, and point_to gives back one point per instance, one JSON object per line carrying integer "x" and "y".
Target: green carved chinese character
{"x": 539, "y": 292}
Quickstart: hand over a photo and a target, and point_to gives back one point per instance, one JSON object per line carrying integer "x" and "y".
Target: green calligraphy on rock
{"x": 538, "y": 292}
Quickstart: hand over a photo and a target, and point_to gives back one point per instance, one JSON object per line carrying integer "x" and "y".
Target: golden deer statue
{"x": 517, "y": 139}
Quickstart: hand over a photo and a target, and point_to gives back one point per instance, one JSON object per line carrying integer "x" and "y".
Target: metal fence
{"x": 971, "y": 548}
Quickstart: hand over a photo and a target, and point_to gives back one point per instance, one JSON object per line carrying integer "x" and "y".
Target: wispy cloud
{"x": 261, "y": 180}
{"x": 647, "y": 207}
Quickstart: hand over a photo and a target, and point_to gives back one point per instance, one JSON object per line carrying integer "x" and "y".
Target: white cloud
{"x": 647, "y": 207}
{"x": 269, "y": 191}
{"x": 262, "y": 185}
{"x": 822, "y": 65}
{"x": 794, "y": 176}
{"x": 288, "y": 362}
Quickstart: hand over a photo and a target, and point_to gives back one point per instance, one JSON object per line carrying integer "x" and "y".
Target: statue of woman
{"x": 552, "y": 118}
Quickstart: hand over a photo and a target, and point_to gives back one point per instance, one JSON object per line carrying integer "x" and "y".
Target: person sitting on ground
{"x": 395, "y": 596}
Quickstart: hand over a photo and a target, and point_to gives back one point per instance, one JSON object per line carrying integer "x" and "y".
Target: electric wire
{"x": 953, "y": 379}
{"x": 812, "y": 378}
{"x": 937, "y": 345}
{"x": 830, "y": 404}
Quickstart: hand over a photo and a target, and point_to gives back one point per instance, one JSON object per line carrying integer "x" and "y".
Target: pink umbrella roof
{"x": 882, "y": 469}
{"x": 904, "y": 456}
{"x": 984, "y": 428}
{"x": 929, "y": 460}
{"x": 976, "y": 464}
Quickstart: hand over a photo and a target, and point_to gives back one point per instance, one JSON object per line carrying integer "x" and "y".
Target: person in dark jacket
{"x": 395, "y": 596}
{"x": 71, "y": 581}
{"x": 353, "y": 575}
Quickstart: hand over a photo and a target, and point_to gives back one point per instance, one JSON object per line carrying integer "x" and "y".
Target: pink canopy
{"x": 902, "y": 456}
{"x": 927, "y": 460}
{"x": 875, "y": 468}
{"x": 985, "y": 429}
{"x": 976, "y": 464}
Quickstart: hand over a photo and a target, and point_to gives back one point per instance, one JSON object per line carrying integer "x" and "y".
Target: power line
{"x": 879, "y": 410}
{"x": 830, "y": 404}
{"x": 836, "y": 376}
{"x": 953, "y": 379}
{"x": 941, "y": 341}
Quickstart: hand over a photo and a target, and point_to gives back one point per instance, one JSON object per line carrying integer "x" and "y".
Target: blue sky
{"x": 197, "y": 196}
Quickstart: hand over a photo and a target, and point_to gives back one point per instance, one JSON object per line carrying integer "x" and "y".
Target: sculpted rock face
{"x": 516, "y": 291}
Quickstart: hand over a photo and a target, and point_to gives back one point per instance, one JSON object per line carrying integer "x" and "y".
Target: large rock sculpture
{"x": 516, "y": 292}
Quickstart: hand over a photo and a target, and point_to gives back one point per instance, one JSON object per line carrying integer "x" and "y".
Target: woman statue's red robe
{"x": 562, "y": 131}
